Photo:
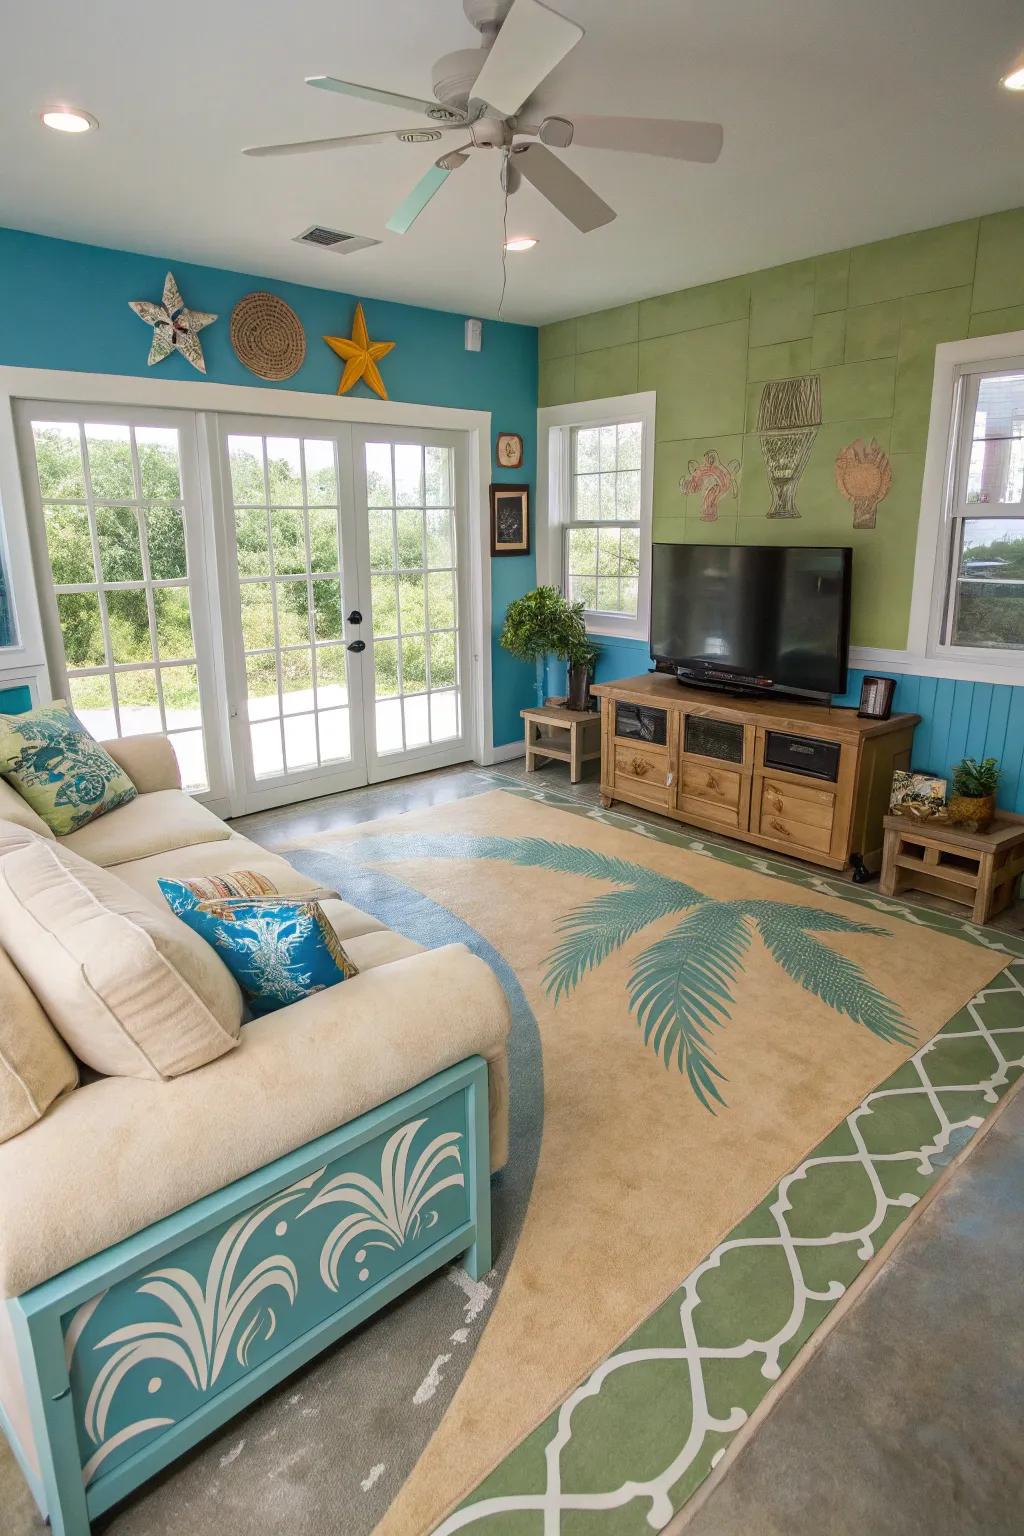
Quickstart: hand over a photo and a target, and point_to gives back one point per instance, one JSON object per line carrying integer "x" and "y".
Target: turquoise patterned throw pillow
{"x": 67, "y": 778}
{"x": 278, "y": 948}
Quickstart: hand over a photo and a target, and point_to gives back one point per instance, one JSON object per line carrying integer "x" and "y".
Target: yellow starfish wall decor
{"x": 361, "y": 356}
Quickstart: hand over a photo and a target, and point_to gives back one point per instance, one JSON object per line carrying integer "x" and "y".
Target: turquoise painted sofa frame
{"x": 132, "y": 1357}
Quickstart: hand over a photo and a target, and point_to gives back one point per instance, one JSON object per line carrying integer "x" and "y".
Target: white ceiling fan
{"x": 482, "y": 91}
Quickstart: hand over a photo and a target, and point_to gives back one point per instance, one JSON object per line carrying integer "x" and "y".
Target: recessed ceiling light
{"x": 69, "y": 119}
{"x": 520, "y": 243}
{"x": 1014, "y": 81}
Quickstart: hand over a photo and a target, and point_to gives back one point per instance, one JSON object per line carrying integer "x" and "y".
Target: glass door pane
{"x": 121, "y": 540}
{"x": 296, "y": 688}
{"x": 416, "y": 602}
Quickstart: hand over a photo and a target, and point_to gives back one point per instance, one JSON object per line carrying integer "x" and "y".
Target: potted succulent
{"x": 542, "y": 623}
{"x": 973, "y": 802}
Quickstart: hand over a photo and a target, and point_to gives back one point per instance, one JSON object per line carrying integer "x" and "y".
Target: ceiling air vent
{"x": 334, "y": 240}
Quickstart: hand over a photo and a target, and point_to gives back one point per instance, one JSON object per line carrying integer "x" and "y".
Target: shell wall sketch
{"x": 864, "y": 476}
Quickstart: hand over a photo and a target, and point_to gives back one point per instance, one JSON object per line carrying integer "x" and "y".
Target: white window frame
{"x": 958, "y": 367}
{"x": 555, "y": 426}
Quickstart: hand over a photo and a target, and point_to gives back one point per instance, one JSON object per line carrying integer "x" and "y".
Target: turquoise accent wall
{"x": 959, "y": 718}
{"x": 65, "y": 306}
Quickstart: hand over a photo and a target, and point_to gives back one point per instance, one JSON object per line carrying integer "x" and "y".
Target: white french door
{"x": 414, "y": 595}
{"x": 119, "y": 533}
{"x": 344, "y": 623}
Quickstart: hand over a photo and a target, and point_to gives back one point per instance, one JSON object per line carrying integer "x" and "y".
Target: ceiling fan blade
{"x": 650, "y": 136}
{"x": 531, "y": 42}
{"x": 570, "y": 195}
{"x": 431, "y": 109}
{"x": 410, "y": 208}
{"x": 304, "y": 146}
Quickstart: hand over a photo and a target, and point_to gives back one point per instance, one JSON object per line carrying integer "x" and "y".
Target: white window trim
{"x": 554, "y": 424}
{"x": 27, "y": 661}
{"x": 953, "y": 359}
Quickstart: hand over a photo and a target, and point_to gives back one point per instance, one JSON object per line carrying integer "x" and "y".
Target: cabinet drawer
{"x": 708, "y": 812}
{"x": 641, "y": 765}
{"x": 716, "y": 784}
{"x": 814, "y": 807}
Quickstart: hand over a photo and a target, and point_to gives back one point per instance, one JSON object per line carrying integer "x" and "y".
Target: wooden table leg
{"x": 531, "y": 756}
{"x": 983, "y": 894}
{"x": 887, "y": 880}
{"x": 575, "y": 752}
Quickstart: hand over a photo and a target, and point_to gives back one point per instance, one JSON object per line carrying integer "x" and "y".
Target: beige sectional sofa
{"x": 116, "y": 1154}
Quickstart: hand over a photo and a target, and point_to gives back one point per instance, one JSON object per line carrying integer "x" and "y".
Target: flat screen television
{"x": 757, "y": 618}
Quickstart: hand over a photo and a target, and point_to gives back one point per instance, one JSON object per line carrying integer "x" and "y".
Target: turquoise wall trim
{"x": 47, "y": 282}
{"x": 958, "y": 718}
{"x": 133, "y": 1356}
{"x": 15, "y": 701}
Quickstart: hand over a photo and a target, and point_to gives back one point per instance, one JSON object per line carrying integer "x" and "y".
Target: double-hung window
{"x": 980, "y": 601}
{"x": 599, "y": 510}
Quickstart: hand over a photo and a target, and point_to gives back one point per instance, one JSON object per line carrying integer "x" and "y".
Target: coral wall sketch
{"x": 711, "y": 479}
{"x": 787, "y": 424}
{"x": 864, "y": 476}
{"x": 175, "y": 328}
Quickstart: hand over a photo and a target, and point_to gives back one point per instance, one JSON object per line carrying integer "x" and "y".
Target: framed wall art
{"x": 509, "y": 450}
{"x": 510, "y": 519}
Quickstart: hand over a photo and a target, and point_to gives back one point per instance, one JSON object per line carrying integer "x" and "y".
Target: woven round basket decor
{"x": 267, "y": 336}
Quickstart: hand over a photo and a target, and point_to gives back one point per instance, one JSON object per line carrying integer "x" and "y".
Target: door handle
{"x": 356, "y": 645}
{"x": 355, "y": 617}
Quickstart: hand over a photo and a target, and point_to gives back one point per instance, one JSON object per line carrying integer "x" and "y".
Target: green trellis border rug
{"x": 627, "y": 1449}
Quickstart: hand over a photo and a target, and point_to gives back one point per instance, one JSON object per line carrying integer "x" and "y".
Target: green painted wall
{"x": 867, "y": 321}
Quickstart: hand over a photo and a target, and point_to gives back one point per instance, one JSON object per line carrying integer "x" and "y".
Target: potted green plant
{"x": 973, "y": 802}
{"x": 540, "y": 624}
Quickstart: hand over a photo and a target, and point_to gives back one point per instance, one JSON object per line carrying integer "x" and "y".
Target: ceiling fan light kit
{"x": 483, "y": 90}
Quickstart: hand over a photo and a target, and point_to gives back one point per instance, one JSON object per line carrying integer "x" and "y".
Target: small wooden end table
{"x": 542, "y": 726}
{"x": 979, "y": 869}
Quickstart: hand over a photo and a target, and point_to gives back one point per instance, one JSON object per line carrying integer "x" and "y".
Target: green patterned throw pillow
{"x": 67, "y": 778}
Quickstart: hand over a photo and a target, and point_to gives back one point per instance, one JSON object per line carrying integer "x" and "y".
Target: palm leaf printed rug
{"x": 733, "y": 1113}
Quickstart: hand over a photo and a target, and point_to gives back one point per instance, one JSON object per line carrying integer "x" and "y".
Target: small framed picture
{"x": 876, "y": 698}
{"x": 509, "y": 450}
{"x": 510, "y": 519}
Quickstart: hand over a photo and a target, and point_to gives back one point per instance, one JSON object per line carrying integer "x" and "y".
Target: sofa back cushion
{"x": 14, "y": 807}
{"x": 132, "y": 991}
{"x": 35, "y": 1065}
{"x": 50, "y": 758}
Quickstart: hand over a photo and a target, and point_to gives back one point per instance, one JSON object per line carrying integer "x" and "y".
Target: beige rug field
{"x": 794, "y": 1010}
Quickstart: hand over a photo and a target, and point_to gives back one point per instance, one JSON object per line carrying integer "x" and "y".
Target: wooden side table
{"x": 543, "y": 725}
{"x": 979, "y": 869}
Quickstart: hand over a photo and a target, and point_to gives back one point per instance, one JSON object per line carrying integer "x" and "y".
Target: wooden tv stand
{"x": 713, "y": 761}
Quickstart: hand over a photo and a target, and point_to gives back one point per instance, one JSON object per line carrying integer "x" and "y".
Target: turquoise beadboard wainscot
{"x": 15, "y": 701}
{"x": 132, "y": 1357}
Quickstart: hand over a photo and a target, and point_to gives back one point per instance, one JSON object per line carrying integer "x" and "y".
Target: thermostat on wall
{"x": 474, "y": 335}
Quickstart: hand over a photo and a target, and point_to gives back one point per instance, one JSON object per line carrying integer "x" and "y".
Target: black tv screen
{"x": 759, "y": 617}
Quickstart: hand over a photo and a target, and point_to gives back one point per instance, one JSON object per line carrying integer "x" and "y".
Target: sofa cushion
{"x": 35, "y": 1065}
{"x": 151, "y": 824}
{"x": 231, "y": 852}
{"x": 279, "y": 949}
{"x": 65, "y": 775}
{"x": 116, "y": 1155}
{"x": 133, "y": 992}
{"x": 14, "y": 807}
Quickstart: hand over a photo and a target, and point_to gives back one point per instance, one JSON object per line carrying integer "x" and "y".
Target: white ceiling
{"x": 845, "y": 121}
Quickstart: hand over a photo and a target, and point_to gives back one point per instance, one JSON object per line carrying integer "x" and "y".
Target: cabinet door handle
{"x": 780, "y": 826}
{"x": 713, "y": 782}
{"x": 776, "y": 801}
{"x": 640, "y": 766}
